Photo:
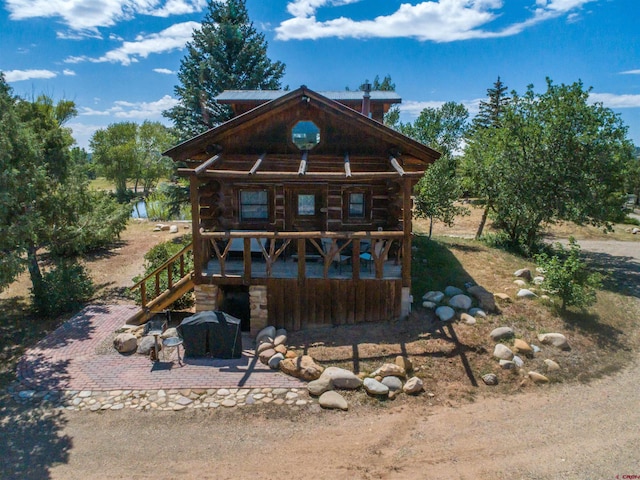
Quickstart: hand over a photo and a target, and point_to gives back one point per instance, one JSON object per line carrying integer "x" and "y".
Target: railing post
{"x": 355, "y": 259}
{"x": 170, "y": 274}
{"x": 246, "y": 256}
{"x": 143, "y": 294}
{"x": 301, "y": 259}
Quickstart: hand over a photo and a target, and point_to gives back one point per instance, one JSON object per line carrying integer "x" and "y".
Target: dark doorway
{"x": 235, "y": 301}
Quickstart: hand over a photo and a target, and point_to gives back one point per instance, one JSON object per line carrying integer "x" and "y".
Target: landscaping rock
{"x": 520, "y": 346}
{"x": 374, "y": 387}
{"x": 173, "y": 229}
{"x": 404, "y": 363}
{"x": 501, "y": 333}
{"x": 452, "y": 291}
{"x": 460, "y": 301}
{"x": 429, "y": 305}
{"x": 169, "y": 333}
{"x": 524, "y": 273}
{"x": 490, "y": 379}
{"x": 445, "y": 314}
{"x": 333, "y": 400}
{"x": 502, "y": 296}
{"x": 551, "y": 365}
{"x": 319, "y": 386}
{"x": 538, "y": 280}
{"x": 507, "y": 364}
{"x": 468, "y": 319}
{"x": 538, "y": 377}
{"x": 146, "y": 344}
{"x": 264, "y": 346}
{"x": 520, "y": 283}
{"x": 266, "y": 355}
{"x": 414, "y": 385}
{"x": 484, "y": 297}
{"x": 281, "y": 349}
{"x": 389, "y": 369}
{"x": 280, "y": 340}
{"x": 503, "y": 352}
{"x": 433, "y": 296}
{"x": 394, "y": 383}
{"x": 525, "y": 293}
{"x": 274, "y": 362}
{"x": 518, "y": 361}
{"x": 557, "y": 340}
{"x": 303, "y": 367}
{"x": 125, "y": 343}
{"x": 478, "y": 312}
{"x": 341, "y": 378}
{"x": 266, "y": 332}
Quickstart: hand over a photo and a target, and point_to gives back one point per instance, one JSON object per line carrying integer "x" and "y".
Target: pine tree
{"x": 491, "y": 111}
{"x": 225, "y": 53}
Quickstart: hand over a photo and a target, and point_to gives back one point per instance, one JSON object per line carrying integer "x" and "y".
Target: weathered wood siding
{"x": 313, "y": 302}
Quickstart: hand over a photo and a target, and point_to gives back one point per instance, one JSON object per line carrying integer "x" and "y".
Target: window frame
{"x": 347, "y": 217}
{"x": 267, "y": 204}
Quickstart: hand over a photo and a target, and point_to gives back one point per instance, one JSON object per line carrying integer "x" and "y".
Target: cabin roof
{"x": 200, "y": 148}
{"x": 236, "y": 96}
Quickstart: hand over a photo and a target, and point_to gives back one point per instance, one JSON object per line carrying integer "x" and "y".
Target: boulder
{"x": 169, "y": 333}
{"x": 500, "y": 333}
{"x": 525, "y": 293}
{"x": 394, "y": 383}
{"x": 520, "y": 283}
{"x": 146, "y": 344}
{"x": 452, "y": 291}
{"x": 538, "y": 377}
{"x": 266, "y": 355}
{"x": 280, "y": 340}
{"x": 333, "y": 400}
{"x": 374, "y": 387}
{"x": 303, "y": 367}
{"x": 414, "y": 385}
{"x": 125, "y": 343}
{"x": 460, "y": 301}
{"x": 266, "y": 332}
{"x": 445, "y": 314}
{"x": 520, "y": 346}
{"x": 389, "y": 369}
{"x": 281, "y": 349}
{"x": 538, "y": 280}
{"x": 507, "y": 364}
{"x": 557, "y": 340}
{"x": 478, "y": 312}
{"x": 433, "y": 296}
{"x": 319, "y": 386}
{"x": 404, "y": 363}
{"x": 551, "y": 365}
{"x": 502, "y": 296}
{"x": 341, "y": 378}
{"x": 468, "y": 319}
{"x": 274, "y": 362}
{"x": 484, "y": 297}
{"x": 264, "y": 346}
{"x": 635, "y": 230}
{"x": 490, "y": 379}
{"x": 173, "y": 229}
{"x": 518, "y": 361}
{"x": 502, "y": 352}
{"x": 524, "y": 273}
{"x": 429, "y": 305}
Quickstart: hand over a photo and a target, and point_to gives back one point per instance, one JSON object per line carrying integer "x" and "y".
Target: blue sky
{"x": 117, "y": 59}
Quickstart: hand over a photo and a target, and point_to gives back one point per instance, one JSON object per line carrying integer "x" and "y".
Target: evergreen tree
{"x": 225, "y": 53}
{"x": 492, "y": 110}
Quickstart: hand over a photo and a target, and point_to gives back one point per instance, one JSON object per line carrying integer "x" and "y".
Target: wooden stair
{"x": 160, "y": 300}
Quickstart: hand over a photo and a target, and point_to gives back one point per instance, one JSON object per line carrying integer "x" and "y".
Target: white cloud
{"x": 88, "y": 16}
{"x": 436, "y": 20}
{"x": 631, "y": 72}
{"x": 20, "y": 75}
{"x": 172, "y": 38}
{"x": 164, "y": 71}
{"x": 68, "y": 73}
{"x": 133, "y": 110}
{"x": 612, "y": 100}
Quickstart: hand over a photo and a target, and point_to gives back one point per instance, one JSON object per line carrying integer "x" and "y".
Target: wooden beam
{"x": 396, "y": 165}
{"x": 256, "y": 165}
{"x": 195, "y": 228}
{"x": 407, "y": 227}
{"x": 302, "y": 235}
{"x": 347, "y": 165}
{"x": 203, "y": 166}
{"x": 329, "y": 176}
{"x": 303, "y": 163}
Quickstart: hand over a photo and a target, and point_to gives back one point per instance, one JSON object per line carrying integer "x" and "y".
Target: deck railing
{"x": 327, "y": 247}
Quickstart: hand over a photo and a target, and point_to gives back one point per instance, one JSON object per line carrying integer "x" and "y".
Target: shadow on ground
{"x": 622, "y": 273}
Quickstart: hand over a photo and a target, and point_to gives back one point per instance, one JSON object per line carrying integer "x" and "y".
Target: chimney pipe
{"x": 366, "y": 100}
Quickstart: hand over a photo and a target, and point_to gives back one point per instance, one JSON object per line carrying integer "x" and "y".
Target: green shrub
{"x": 567, "y": 277}
{"x": 65, "y": 289}
{"x": 631, "y": 221}
{"x": 157, "y": 256}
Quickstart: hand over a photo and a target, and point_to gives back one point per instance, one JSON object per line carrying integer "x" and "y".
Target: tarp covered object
{"x": 216, "y": 334}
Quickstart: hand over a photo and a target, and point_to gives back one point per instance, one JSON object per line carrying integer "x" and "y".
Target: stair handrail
{"x": 168, "y": 265}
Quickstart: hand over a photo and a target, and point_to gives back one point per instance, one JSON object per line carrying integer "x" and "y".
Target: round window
{"x": 305, "y": 135}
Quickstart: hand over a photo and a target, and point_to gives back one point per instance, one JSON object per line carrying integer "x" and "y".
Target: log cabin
{"x": 301, "y": 209}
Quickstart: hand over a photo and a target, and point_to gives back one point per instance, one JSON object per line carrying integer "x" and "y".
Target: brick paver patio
{"x": 69, "y": 359}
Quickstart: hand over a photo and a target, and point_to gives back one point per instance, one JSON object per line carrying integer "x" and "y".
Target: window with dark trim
{"x": 254, "y": 204}
{"x": 306, "y": 204}
{"x": 356, "y": 205}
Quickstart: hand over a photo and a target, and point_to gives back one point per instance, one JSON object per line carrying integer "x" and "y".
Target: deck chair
{"x": 367, "y": 256}
{"x": 338, "y": 258}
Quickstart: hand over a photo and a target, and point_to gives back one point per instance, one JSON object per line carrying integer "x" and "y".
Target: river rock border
{"x": 163, "y": 399}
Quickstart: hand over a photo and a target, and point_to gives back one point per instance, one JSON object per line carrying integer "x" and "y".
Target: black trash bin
{"x": 211, "y": 333}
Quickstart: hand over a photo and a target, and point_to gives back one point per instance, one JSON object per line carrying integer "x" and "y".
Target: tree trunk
{"x": 34, "y": 272}
{"x": 430, "y": 226}
{"x": 483, "y": 220}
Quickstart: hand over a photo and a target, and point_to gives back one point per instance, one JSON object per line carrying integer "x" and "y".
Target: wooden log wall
{"x": 314, "y": 302}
